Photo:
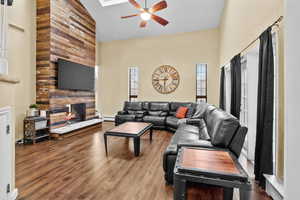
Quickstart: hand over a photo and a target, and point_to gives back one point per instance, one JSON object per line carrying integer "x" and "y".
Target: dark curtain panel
{"x": 222, "y": 89}
{"x": 235, "y": 105}
{"x": 265, "y": 103}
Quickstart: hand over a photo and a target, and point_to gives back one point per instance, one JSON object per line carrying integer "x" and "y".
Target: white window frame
{"x": 200, "y": 95}
{"x": 133, "y": 83}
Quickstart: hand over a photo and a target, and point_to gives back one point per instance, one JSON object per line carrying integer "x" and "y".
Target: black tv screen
{"x": 74, "y": 76}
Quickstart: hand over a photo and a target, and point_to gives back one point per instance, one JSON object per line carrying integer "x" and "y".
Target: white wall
{"x": 292, "y": 99}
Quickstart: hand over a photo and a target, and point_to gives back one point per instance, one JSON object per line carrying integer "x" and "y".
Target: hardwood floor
{"x": 76, "y": 168}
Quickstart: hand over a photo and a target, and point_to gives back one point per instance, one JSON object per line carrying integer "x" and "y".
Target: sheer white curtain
{"x": 227, "y": 88}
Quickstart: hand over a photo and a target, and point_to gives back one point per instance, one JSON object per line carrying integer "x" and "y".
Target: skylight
{"x": 111, "y": 2}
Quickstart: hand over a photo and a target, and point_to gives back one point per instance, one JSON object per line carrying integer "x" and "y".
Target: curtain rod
{"x": 274, "y": 24}
{"x": 251, "y": 43}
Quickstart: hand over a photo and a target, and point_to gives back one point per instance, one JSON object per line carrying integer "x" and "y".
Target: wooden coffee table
{"x": 211, "y": 167}
{"x": 130, "y": 130}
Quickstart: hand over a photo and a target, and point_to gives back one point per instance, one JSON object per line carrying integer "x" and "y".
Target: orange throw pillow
{"x": 181, "y": 112}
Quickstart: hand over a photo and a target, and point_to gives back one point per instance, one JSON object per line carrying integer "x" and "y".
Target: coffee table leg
{"x": 179, "y": 189}
{"x": 136, "y": 143}
{"x": 151, "y": 132}
{"x": 228, "y": 194}
{"x": 105, "y": 142}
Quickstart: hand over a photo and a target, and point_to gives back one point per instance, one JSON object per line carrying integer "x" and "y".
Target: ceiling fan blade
{"x": 143, "y": 24}
{"x": 128, "y": 16}
{"x": 159, "y": 20}
{"x": 159, "y": 6}
{"x": 135, "y": 4}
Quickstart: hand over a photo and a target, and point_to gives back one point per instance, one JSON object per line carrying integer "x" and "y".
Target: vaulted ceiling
{"x": 183, "y": 15}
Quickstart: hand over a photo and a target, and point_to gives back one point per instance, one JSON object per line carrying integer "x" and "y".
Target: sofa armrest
{"x": 163, "y": 114}
{"x": 196, "y": 143}
{"x": 141, "y": 112}
{"x": 122, "y": 112}
{"x": 171, "y": 150}
{"x": 195, "y": 122}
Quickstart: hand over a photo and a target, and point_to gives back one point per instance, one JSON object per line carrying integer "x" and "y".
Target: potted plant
{"x": 33, "y": 110}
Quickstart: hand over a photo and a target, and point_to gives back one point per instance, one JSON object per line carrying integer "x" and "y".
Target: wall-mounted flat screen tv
{"x": 74, "y": 76}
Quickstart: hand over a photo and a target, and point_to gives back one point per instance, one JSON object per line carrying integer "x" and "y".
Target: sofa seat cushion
{"x": 155, "y": 120}
{"x": 186, "y": 128}
{"x": 172, "y": 121}
{"x": 188, "y": 135}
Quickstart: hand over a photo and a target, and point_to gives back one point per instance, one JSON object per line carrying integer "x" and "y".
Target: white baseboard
{"x": 109, "y": 118}
{"x": 274, "y": 187}
{"x": 13, "y": 195}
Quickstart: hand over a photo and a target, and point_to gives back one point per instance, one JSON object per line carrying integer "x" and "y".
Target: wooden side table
{"x": 211, "y": 167}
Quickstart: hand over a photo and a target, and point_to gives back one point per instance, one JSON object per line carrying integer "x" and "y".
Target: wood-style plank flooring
{"x": 76, "y": 168}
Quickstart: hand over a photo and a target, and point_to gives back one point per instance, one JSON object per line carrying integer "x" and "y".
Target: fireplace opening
{"x": 78, "y": 112}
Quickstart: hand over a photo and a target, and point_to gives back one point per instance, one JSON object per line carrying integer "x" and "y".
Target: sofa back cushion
{"x": 221, "y": 126}
{"x": 203, "y": 133}
{"x": 133, "y": 106}
{"x": 146, "y": 105}
{"x": 159, "y": 106}
{"x": 199, "y": 110}
{"x": 237, "y": 142}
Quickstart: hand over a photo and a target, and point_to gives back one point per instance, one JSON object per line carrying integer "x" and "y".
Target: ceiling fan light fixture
{"x": 145, "y": 16}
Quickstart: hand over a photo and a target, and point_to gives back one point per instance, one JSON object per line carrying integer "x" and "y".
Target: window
{"x": 133, "y": 83}
{"x": 201, "y": 83}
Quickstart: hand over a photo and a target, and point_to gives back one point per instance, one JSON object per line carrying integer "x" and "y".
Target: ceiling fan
{"x": 148, "y": 13}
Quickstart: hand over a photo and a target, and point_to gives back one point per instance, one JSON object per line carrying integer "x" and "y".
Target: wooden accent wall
{"x": 64, "y": 30}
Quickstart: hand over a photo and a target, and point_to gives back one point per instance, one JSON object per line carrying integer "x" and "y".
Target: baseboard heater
{"x": 75, "y": 126}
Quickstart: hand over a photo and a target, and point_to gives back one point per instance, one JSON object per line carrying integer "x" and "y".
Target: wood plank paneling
{"x": 64, "y": 30}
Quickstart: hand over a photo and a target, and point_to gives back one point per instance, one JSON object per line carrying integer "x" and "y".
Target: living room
{"x": 90, "y": 73}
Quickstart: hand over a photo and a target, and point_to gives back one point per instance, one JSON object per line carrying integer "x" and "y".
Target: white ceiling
{"x": 183, "y": 15}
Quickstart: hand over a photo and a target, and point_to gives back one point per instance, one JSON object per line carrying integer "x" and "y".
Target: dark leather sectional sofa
{"x": 204, "y": 126}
